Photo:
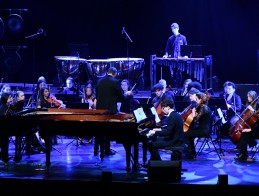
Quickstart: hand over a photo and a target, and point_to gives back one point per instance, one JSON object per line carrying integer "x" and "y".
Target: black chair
{"x": 205, "y": 140}
{"x": 254, "y": 150}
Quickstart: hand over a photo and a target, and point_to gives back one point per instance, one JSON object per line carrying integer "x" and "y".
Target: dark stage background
{"x": 228, "y": 30}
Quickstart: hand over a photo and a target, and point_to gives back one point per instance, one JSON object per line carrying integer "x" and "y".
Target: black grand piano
{"x": 26, "y": 122}
{"x": 50, "y": 122}
{"x": 120, "y": 127}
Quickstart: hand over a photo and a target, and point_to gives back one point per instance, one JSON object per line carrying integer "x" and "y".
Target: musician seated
{"x": 194, "y": 85}
{"x": 247, "y": 135}
{"x": 156, "y": 101}
{"x": 70, "y": 87}
{"x": 5, "y": 109}
{"x": 169, "y": 136}
{"x": 47, "y": 101}
{"x": 199, "y": 124}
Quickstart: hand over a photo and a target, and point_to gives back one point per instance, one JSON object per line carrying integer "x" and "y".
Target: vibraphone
{"x": 199, "y": 69}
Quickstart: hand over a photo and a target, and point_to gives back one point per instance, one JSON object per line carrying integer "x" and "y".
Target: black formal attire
{"x": 108, "y": 93}
{"x": 127, "y": 104}
{"x": 4, "y": 140}
{"x": 71, "y": 91}
{"x": 235, "y": 109}
{"x": 199, "y": 127}
{"x": 170, "y": 136}
{"x": 157, "y": 100}
{"x": 249, "y": 138}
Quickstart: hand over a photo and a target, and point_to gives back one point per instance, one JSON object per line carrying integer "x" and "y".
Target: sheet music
{"x": 153, "y": 110}
{"x": 221, "y": 116}
{"x": 139, "y": 114}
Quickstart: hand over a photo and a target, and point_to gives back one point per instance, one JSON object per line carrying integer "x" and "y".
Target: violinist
{"x": 5, "y": 109}
{"x": 200, "y": 125}
{"x": 41, "y": 83}
{"x": 127, "y": 104}
{"x": 89, "y": 97}
{"x": 47, "y": 101}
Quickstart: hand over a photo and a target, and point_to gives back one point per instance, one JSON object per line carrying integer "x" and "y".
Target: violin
{"x": 54, "y": 102}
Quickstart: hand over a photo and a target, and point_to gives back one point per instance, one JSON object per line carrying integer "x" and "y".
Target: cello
{"x": 159, "y": 111}
{"x": 246, "y": 120}
{"x": 186, "y": 114}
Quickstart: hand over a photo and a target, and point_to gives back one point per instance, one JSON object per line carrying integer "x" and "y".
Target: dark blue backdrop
{"x": 228, "y": 30}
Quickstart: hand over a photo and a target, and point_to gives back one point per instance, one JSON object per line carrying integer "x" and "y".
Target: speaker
{"x": 164, "y": 171}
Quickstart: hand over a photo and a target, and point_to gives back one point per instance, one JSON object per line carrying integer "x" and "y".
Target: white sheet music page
{"x": 153, "y": 110}
{"x": 139, "y": 114}
{"x": 221, "y": 116}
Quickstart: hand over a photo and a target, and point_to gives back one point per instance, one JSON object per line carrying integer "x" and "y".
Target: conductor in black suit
{"x": 108, "y": 93}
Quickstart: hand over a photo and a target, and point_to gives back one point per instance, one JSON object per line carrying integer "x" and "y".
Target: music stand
{"x": 192, "y": 51}
{"x": 217, "y": 103}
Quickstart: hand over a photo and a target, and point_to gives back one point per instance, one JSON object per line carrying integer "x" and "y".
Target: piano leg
{"x": 127, "y": 148}
{"x": 136, "y": 156}
{"x": 101, "y": 139}
{"x": 18, "y": 148}
{"x": 144, "y": 141}
{"x": 47, "y": 140}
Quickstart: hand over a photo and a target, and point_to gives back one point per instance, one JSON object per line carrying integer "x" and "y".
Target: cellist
{"x": 200, "y": 125}
{"x": 249, "y": 135}
{"x": 156, "y": 101}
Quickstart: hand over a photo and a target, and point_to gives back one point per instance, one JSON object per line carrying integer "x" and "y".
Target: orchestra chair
{"x": 254, "y": 150}
{"x": 205, "y": 140}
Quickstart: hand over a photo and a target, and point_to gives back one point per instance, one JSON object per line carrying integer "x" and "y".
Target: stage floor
{"x": 77, "y": 163}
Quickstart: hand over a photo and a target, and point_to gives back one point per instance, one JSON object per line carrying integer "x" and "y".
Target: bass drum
{"x": 128, "y": 68}
{"x": 97, "y": 68}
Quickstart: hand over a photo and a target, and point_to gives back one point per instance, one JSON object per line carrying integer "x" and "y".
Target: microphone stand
{"x": 33, "y": 36}
{"x": 127, "y": 38}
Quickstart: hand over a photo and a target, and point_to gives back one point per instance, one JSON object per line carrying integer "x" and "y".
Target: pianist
{"x": 170, "y": 136}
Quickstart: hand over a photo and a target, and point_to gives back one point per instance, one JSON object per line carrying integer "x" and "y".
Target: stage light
{"x": 15, "y": 23}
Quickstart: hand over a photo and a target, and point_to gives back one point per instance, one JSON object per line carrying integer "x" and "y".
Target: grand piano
{"x": 26, "y": 122}
{"x": 120, "y": 127}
